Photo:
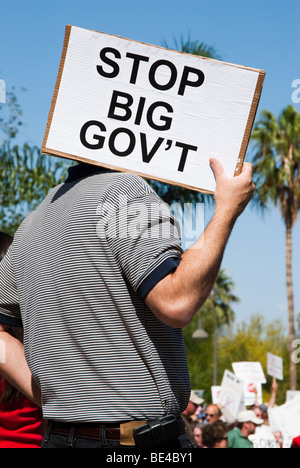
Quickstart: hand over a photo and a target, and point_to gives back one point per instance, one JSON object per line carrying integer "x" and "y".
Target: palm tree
{"x": 277, "y": 179}
{"x": 194, "y": 47}
{"x": 217, "y": 311}
{"x": 298, "y": 325}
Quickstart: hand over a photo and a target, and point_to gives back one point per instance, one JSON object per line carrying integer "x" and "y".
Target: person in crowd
{"x": 214, "y": 413}
{"x": 20, "y": 419}
{"x": 264, "y": 412}
{"x": 214, "y": 435}
{"x": 247, "y": 422}
{"x": 103, "y": 297}
{"x": 261, "y": 410}
{"x": 257, "y": 410}
{"x": 264, "y": 437}
{"x": 200, "y": 414}
{"x": 197, "y": 432}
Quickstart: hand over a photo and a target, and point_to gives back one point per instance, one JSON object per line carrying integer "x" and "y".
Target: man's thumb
{"x": 216, "y": 167}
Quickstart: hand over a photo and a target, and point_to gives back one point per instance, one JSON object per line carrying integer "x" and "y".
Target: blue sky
{"x": 261, "y": 34}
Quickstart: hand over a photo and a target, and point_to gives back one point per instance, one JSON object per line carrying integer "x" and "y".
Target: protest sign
{"x": 275, "y": 366}
{"x": 215, "y": 393}
{"x": 230, "y": 395}
{"x": 249, "y": 371}
{"x": 291, "y": 394}
{"x": 253, "y": 376}
{"x": 286, "y": 420}
{"x": 156, "y": 112}
{"x": 264, "y": 438}
{"x": 252, "y": 393}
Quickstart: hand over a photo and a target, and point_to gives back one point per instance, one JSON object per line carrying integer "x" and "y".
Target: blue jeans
{"x": 52, "y": 440}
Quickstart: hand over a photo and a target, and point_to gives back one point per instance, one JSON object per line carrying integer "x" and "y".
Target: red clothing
{"x": 296, "y": 442}
{"x": 20, "y": 424}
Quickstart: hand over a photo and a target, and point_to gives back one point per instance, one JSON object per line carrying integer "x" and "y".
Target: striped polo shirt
{"x": 75, "y": 278}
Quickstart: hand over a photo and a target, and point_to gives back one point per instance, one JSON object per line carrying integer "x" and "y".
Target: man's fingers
{"x": 217, "y": 168}
{"x": 247, "y": 168}
{"x": 219, "y": 172}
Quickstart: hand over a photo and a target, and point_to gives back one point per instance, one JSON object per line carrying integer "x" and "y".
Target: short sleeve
{"x": 145, "y": 240}
{"x": 9, "y": 301}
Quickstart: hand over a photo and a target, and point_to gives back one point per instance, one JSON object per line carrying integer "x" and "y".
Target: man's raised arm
{"x": 177, "y": 297}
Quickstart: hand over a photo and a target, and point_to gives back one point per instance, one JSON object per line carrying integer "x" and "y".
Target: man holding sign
{"x": 102, "y": 295}
{"x": 89, "y": 306}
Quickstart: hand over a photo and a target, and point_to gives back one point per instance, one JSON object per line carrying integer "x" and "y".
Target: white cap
{"x": 249, "y": 416}
{"x": 195, "y": 399}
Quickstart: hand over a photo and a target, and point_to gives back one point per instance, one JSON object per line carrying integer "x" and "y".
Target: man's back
{"x": 82, "y": 264}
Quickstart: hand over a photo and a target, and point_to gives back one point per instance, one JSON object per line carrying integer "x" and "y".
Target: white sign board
{"x": 291, "y": 394}
{"x": 249, "y": 371}
{"x": 286, "y": 420}
{"x": 275, "y": 366}
{"x": 230, "y": 395}
{"x": 215, "y": 392}
{"x": 253, "y": 376}
{"x": 264, "y": 438}
{"x": 156, "y": 112}
{"x": 252, "y": 393}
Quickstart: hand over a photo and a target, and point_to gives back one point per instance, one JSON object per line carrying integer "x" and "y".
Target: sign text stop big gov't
{"x": 159, "y": 113}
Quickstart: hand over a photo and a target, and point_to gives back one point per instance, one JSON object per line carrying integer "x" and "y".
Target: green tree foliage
{"x": 26, "y": 174}
{"x": 217, "y": 310}
{"x": 248, "y": 341}
{"x": 188, "y": 46}
{"x": 10, "y": 116}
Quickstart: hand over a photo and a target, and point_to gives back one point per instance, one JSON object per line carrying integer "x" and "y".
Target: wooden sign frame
{"x": 46, "y": 149}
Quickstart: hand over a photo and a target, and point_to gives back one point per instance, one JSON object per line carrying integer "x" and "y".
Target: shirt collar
{"x": 84, "y": 170}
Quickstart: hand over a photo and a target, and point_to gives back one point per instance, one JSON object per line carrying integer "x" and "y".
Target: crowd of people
{"x": 212, "y": 426}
